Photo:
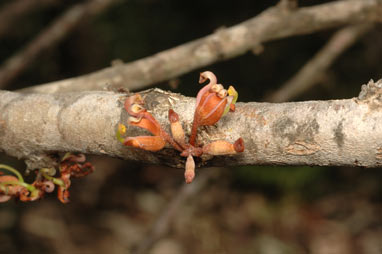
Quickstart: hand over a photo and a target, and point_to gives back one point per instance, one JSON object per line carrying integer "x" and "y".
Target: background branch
{"x": 312, "y": 72}
{"x": 272, "y": 24}
{"x": 15, "y": 9}
{"x": 49, "y": 37}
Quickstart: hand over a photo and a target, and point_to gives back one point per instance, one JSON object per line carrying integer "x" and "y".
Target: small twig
{"x": 49, "y": 37}
{"x": 223, "y": 44}
{"x": 161, "y": 225}
{"x": 311, "y": 73}
{"x": 17, "y": 8}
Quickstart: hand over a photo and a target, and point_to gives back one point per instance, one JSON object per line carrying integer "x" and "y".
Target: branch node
{"x": 370, "y": 91}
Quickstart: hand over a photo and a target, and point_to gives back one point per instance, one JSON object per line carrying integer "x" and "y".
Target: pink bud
{"x": 189, "y": 173}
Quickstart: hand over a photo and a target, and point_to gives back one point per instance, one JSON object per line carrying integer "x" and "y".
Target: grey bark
{"x": 273, "y": 23}
{"x": 336, "y": 132}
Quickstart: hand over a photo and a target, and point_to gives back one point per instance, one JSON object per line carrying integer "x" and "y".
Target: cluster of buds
{"x": 212, "y": 102}
{"x": 70, "y": 166}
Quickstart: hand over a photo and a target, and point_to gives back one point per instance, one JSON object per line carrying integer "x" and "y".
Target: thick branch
{"x": 274, "y": 23}
{"x": 335, "y": 132}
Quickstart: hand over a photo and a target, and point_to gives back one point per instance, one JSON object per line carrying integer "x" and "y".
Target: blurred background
{"x": 125, "y": 207}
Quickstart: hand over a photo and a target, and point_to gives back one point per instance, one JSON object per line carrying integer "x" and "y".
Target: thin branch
{"x": 49, "y": 37}
{"x": 313, "y": 70}
{"x": 273, "y": 23}
{"x": 12, "y": 11}
{"x": 335, "y": 132}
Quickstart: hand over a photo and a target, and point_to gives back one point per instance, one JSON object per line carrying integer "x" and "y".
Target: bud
{"x": 211, "y": 104}
{"x": 203, "y": 77}
{"x": 146, "y": 121}
{"x": 176, "y": 127}
{"x": 189, "y": 173}
{"x": 148, "y": 143}
{"x": 239, "y": 145}
{"x": 222, "y": 147}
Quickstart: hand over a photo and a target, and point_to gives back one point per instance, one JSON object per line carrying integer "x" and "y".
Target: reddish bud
{"x": 211, "y": 109}
{"x": 207, "y": 75}
{"x": 222, "y": 147}
{"x": 146, "y": 121}
{"x": 148, "y": 143}
{"x": 176, "y": 127}
{"x": 239, "y": 145}
{"x": 173, "y": 116}
{"x": 189, "y": 172}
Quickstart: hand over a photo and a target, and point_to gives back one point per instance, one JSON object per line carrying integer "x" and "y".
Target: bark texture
{"x": 274, "y": 23}
{"x": 336, "y": 132}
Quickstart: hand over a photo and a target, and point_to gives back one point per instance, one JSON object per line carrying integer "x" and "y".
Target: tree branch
{"x": 49, "y": 37}
{"x": 273, "y": 23}
{"x": 12, "y": 11}
{"x": 335, "y": 132}
{"x": 314, "y": 69}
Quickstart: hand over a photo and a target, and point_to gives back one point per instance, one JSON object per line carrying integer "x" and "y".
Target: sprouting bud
{"x": 222, "y": 147}
{"x": 146, "y": 121}
{"x": 148, "y": 143}
{"x": 189, "y": 172}
{"x": 203, "y": 77}
{"x": 176, "y": 127}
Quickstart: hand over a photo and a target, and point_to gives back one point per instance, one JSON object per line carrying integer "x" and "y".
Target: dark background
{"x": 241, "y": 210}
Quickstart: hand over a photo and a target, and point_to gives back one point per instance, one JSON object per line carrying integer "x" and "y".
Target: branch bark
{"x": 335, "y": 132}
{"x": 273, "y": 23}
